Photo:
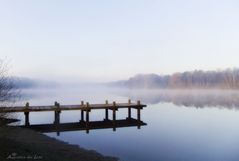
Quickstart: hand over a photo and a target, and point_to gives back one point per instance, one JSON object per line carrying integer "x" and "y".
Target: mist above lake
{"x": 181, "y": 124}
{"x": 97, "y": 93}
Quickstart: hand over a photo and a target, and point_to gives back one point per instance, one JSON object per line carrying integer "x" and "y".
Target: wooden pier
{"x": 85, "y": 109}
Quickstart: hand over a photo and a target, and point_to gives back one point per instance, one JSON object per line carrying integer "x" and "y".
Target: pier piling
{"x": 57, "y": 113}
{"x": 26, "y": 113}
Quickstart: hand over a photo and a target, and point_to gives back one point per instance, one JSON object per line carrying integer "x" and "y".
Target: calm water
{"x": 181, "y": 126}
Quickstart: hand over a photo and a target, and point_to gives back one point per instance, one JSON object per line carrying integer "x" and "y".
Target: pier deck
{"x": 70, "y": 107}
{"x": 85, "y": 109}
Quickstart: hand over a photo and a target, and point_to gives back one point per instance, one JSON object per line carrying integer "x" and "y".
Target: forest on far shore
{"x": 221, "y": 79}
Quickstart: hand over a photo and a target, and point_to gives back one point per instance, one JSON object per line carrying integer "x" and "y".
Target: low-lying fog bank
{"x": 97, "y": 93}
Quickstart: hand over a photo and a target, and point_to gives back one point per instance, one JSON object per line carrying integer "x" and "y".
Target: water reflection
{"x": 190, "y": 98}
{"x": 82, "y": 126}
{"x": 172, "y": 133}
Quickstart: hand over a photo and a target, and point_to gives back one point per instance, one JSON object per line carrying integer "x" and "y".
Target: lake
{"x": 181, "y": 125}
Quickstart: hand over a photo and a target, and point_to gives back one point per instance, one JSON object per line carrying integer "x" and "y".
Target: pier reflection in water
{"x": 82, "y": 126}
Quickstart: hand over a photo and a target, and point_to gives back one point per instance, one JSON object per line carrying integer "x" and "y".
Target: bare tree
{"x": 8, "y": 91}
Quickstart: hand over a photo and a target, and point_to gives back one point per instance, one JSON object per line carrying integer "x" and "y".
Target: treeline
{"x": 223, "y": 79}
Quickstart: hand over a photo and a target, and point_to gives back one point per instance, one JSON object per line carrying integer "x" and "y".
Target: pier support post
{"x": 129, "y": 113}
{"x": 138, "y": 114}
{"x": 82, "y": 116}
{"x": 87, "y": 122}
{"x": 27, "y": 123}
{"x": 57, "y": 117}
{"x": 106, "y": 111}
{"x": 114, "y": 116}
{"x": 129, "y": 110}
{"x": 114, "y": 111}
{"x": 87, "y": 117}
{"x": 57, "y": 113}
{"x": 82, "y": 112}
{"x": 138, "y": 117}
{"x": 138, "y": 110}
{"x": 106, "y": 114}
{"x": 26, "y": 113}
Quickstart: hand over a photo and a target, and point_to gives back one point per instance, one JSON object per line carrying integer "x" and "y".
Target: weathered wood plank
{"x": 71, "y": 107}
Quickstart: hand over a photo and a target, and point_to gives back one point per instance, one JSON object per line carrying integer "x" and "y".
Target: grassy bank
{"x": 24, "y": 144}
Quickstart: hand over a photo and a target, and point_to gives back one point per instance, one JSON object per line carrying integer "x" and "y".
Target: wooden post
{"x": 129, "y": 112}
{"x": 138, "y": 103}
{"x": 106, "y": 114}
{"x": 106, "y": 111}
{"x": 87, "y": 109}
{"x": 82, "y": 111}
{"x": 129, "y": 101}
{"x": 57, "y": 113}
{"x": 114, "y": 111}
{"x": 129, "y": 109}
{"x": 82, "y": 116}
{"x": 114, "y": 116}
{"x": 27, "y": 123}
{"x": 87, "y": 114}
{"x": 138, "y": 110}
{"x": 87, "y": 122}
{"x": 138, "y": 114}
{"x": 26, "y": 113}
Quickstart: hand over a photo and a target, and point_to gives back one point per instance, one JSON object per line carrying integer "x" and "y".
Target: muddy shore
{"x": 27, "y": 145}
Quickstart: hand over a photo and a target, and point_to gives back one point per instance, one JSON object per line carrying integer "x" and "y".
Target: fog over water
{"x": 189, "y": 98}
{"x": 99, "y": 93}
{"x": 182, "y": 125}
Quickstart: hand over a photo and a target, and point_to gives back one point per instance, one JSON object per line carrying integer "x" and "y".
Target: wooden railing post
{"x": 129, "y": 101}
{"x": 26, "y": 113}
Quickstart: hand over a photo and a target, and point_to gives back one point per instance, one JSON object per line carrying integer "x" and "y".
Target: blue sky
{"x": 110, "y": 40}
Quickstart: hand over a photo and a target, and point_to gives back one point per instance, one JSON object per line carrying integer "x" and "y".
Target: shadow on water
{"x": 83, "y": 126}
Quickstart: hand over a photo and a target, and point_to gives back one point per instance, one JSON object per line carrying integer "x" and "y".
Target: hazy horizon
{"x": 109, "y": 40}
